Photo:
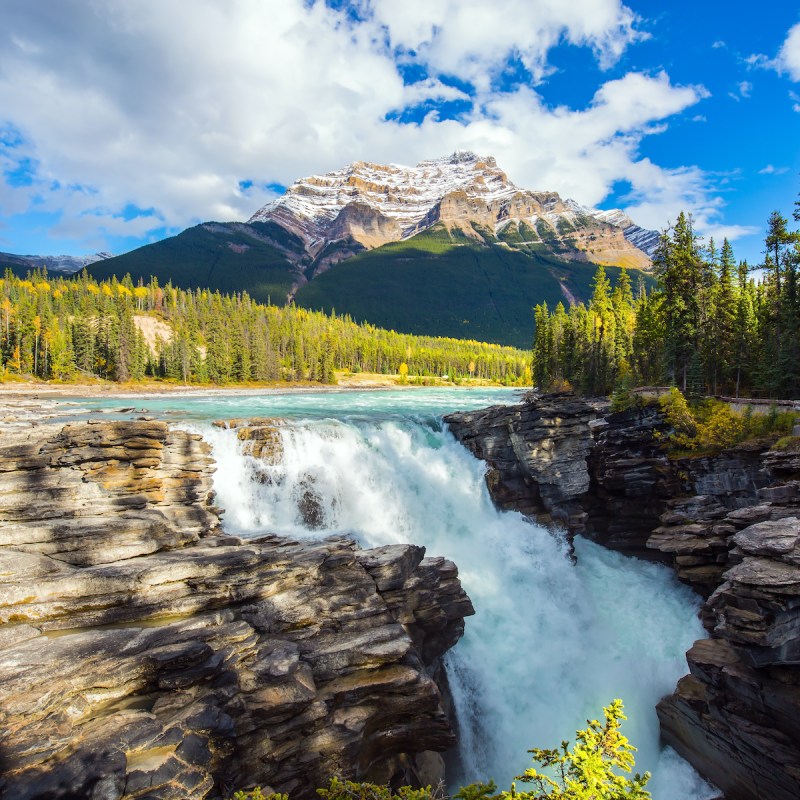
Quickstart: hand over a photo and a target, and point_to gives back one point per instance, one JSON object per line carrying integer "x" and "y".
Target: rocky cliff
{"x": 536, "y": 454}
{"x": 728, "y": 524}
{"x": 145, "y": 654}
{"x": 735, "y": 716}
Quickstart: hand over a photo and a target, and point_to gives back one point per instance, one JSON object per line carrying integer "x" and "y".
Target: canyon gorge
{"x": 153, "y": 645}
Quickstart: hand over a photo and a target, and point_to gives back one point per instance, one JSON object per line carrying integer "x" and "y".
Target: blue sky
{"x": 121, "y": 123}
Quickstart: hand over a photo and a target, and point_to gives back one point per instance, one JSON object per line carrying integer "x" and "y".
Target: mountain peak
{"x": 458, "y": 157}
{"x": 405, "y": 194}
{"x": 369, "y": 204}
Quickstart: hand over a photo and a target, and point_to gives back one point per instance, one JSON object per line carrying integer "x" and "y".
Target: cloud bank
{"x": 121, "y": 119}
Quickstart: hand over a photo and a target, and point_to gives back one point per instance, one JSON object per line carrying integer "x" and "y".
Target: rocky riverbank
{"x": 143, "y": 653}
{"x": 730, "y": 527}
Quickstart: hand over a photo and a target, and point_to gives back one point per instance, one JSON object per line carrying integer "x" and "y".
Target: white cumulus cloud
{"x": 166, "y": 108}
{"x": 789, "y": 57}
{"x": 473, "y": 38}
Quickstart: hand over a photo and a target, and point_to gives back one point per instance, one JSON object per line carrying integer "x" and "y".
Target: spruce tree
{"x": 679, "y": 268}
{"x": 777, "y": 241}
{"x": 601, "y": 376}
{"x": 542, "y": 347}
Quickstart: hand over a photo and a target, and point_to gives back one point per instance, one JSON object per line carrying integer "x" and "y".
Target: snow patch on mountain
{"x": 405, "y": 194}
{"x": 61, "y": 263}
{"x": 646, "y": 240}
{"x": 643, "y": 238}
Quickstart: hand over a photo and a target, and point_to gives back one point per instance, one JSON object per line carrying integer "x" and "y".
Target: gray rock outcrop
{"x": 735, "y": 716}
{"x": 536, "y": 454}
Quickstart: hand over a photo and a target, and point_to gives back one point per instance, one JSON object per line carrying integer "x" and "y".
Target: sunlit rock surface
{"x": 144, "y": 654}
{"x": 536, "y": 454}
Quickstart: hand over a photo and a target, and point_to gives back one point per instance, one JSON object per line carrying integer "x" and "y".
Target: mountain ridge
{"x": 62, "y": 263}
{"x": 374, "y": 204}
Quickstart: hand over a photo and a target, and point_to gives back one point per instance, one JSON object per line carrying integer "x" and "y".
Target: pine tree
{"x": 542, "y": 348}
{"x": 777, "y": 241}
{"x": 624, "y": 324}
{"x": 559, "y": 344}
{"x": 601, "y": 375}
{"x": 789, "y": 352}
{"x": 723, "y": 321}
{"x": 648, "y": 338}
{"x": 679, "y": 268}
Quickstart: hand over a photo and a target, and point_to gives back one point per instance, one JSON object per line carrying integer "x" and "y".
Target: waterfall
{"x": 550, "y": 644}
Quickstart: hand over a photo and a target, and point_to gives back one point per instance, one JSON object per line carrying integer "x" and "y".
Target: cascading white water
{"x": 550, "y": 644}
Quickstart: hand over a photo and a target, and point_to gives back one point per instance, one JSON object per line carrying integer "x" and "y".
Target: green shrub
{"x": 710, "y": 425}
{"x": 679, "y": 416}
{"x": 257, "y": 794}
{"x": 349, "y": 790}
{"x": 722, "y": 428}
{"x": 624, "y": 398}
{"x": 787, "y": 443}
{"x": 587, "y": 771}
{"x": 772, "y": 422}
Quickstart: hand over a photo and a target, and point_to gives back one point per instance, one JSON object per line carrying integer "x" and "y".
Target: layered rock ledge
{"x": 143, "y": 653}
{"x": 536, "y": 454}
{"x": 730, "y": 527}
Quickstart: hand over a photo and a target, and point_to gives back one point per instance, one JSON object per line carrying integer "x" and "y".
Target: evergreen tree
{"x": 744, "y": 333}
{"x": 721, "y": 323}
{"x": 542, "y": 348}
{"x": 778, "y": 240}
{"x": 648, "y": 339}
{"x": 678, "y": 266}
{"x": 600, "y": 376}
{"x": 94, "y": 329}
{"x": 622, "y": 305}
{"x": 560, "y": 342}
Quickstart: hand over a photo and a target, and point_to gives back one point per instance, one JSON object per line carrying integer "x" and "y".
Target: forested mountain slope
{"x": 450, "y": 247}
{"x": 444, "y": 284}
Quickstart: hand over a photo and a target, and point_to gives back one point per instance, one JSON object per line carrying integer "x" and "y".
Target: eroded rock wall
{"x": 144, "y": 654}
{"x": 735, "y": 716}
{"x": 536, "y": 454}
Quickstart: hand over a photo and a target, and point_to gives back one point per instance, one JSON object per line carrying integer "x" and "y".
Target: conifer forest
{"x": 77, "y": 328}
{"x": 711, "y": 326}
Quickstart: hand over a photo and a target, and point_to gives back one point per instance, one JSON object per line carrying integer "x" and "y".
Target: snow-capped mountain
{"x": 470, "y": 253}
{"x": 371, "y": 204}
{"x": 53, "y": 263}
{"x": 643, "y": 238}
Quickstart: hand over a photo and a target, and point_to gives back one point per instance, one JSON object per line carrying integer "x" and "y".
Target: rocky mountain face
{"x": 730, "y": 527}
{"x": 143, "y": 654}
{"x": 367, "y": 205}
